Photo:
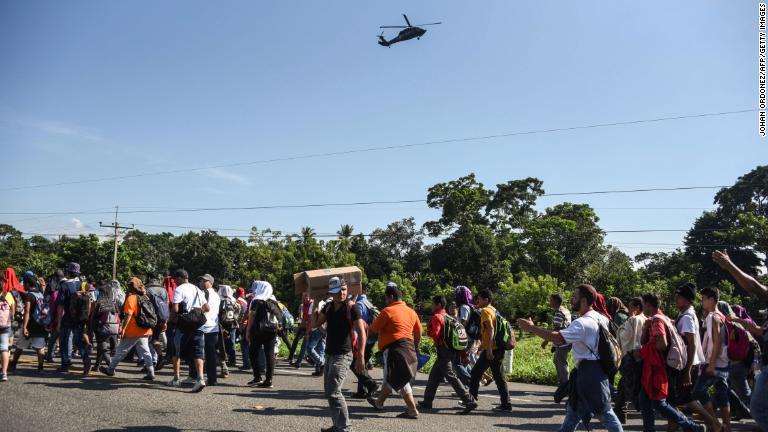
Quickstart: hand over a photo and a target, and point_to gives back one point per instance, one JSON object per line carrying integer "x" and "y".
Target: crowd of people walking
{"x": 713, "y": 364}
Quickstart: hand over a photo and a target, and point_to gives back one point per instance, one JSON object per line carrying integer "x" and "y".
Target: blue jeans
{"x": 5, "y": 339}
{"x": 245, "y": 351}
{"x": 71, "y": 334}
{"x": 608, "y": 418}
{"x": 721, "y": 397}
{"x": 647, "y": 406}
{"x": 737, "y": 380}
{"x": 759, "y": 406}
{"x": 316, "y": 348}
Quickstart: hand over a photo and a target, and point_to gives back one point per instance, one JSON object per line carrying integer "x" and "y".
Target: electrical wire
{"x": 377, "y": 149}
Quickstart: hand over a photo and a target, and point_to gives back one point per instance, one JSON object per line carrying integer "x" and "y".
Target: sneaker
{"x": 265, "y": 384}
{"x": 106, "y": 371}
{"x": 188, "y": 380}
{"x": 198, "y": 387}
{"x": 423, "y": 405}
{"x": 39, "y": 367}
{"x": 3, "y": 377}
{"x": 255, "y": 381}
{"x": 330, "y": 429}
{"x": 160, "y": 364}
{"x": 469, "y": 406}
{"x": 503, "y": 408}
{"x": 175, "y": 382}
{"x": 148, "y": 377}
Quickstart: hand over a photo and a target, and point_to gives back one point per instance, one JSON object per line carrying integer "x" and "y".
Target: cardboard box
{"x": 315, "y": 282}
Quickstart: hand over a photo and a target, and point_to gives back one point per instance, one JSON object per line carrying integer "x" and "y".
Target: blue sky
{"x": 95, "y": 89}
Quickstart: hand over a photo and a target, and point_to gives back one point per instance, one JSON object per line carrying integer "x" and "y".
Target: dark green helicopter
{"x": 409, "y": 32}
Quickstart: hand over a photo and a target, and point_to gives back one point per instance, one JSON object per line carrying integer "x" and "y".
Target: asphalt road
{"x": 49, "y": 401}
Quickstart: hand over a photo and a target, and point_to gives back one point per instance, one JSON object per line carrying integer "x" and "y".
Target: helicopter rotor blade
{"x": 434, "y": 23}
{"x": 393, "y": 27}
{"x": 406, "y": 20}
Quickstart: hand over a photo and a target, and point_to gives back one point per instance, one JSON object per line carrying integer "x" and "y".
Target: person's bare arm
{"x": 712, "y": 360}
{"x": 749, "y": 283}
{"x": 251, "y": 318}
{"x": 548, "y": 335}
{"x": 691, "y": 348}
{"x": 661, "y": 343}
{"x": 750, "y": 327}
{"x": 27, "y": 306}
{"x": 319, "y": 320}
{"x": 361, "y": 340}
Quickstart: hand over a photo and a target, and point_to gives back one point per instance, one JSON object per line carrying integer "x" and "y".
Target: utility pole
{"x": 117, "y": 227}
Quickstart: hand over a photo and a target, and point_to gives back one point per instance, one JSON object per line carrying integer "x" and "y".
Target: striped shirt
{"x": 561, "y": 320}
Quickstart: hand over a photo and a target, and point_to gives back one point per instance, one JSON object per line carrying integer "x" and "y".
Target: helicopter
{"x": 409, "y": 32}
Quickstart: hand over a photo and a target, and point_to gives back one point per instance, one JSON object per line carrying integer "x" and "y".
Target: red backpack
{"x": 737, "y": 341}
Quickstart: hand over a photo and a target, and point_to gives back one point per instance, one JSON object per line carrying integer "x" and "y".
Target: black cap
{"x": 687, "y": 291}
{"x": 181, "y": 273}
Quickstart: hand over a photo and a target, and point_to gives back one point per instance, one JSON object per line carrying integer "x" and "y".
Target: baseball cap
{"x": 335, "y": 284}
{"x": 207, "y": 277}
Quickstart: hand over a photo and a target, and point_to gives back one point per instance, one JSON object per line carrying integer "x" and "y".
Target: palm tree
{"x": 345, "y": 232}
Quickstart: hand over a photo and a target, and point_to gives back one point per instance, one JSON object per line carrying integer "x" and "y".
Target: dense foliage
{"x": 485, "y": 238}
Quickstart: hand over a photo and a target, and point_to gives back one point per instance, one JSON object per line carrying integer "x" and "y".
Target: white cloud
{"x": 61, "y": 129}
{"x": 228, "y": 176}
{"x": 77, "y": 223}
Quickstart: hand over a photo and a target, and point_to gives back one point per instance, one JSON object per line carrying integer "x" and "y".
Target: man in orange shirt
{"x": 133, "y": 334}
{"x": 399, "y": 330}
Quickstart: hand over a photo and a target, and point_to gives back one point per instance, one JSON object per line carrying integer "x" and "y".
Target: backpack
{"x": 504, "y": 335}
{"x": 105, "y": 316}
{"x": 473, "y": 329}
{"x": 147, "y": 316}
{"x": 41, "y": 310}
{"x": 677, "y": 353}
{"x": 159, "y": 300}
{"x": 737, "y": 341}
{"x": 454, "y": 334}
{"x": 229, "y": 314}
{"x": 608, "y": 350}
{"x": 6, "y": 316}
{"x": 373, "y": 311}
{"x": 287, "y": 321}
{"x": 266, "y": 321}
{"x": 78, "y": 306}
{"x": 18, "y": 312}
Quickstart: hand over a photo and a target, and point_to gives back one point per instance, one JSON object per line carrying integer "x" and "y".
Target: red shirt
{"x": 435, "y": 327}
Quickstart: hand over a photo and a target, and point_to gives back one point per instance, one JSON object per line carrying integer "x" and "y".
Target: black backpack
{"x": 191, "y": 319}
{"x": 147, "y": 316}
{"x": 266, "y": 320}
{"x": 474, "y": 331}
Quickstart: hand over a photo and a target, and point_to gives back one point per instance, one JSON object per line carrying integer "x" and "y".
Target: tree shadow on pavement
{"x": 155, "y": 428}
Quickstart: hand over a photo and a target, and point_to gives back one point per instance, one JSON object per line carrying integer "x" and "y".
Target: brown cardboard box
{"x": 315, "y": 282}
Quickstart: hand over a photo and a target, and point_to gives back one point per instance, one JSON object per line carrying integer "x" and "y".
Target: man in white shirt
{"x": 191, "y": 345}
{"x": 591, "y": 382}
{"x": 714, "y": 371}
{"x": 680, "y": 383}
{"x": 211, "y": 328}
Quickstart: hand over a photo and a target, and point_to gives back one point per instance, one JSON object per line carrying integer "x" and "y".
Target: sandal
{"x": 407, "y": 415}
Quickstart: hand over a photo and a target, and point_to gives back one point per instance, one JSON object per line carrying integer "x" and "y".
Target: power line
{"x": 379, "y": 148}
{"x": 347, "y": 204}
